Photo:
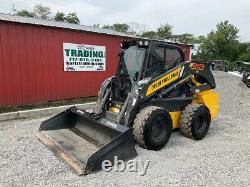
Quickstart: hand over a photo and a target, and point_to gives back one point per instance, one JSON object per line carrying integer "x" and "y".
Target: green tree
{"x": 72, "y": 18}
{"x": 164, "y": 32}
{"x": 203, "y": 50}
{"x": 25, "y": 13}
{"x": 220, "y": 44}
{"x": 42, "y": 12}
{"x": 120, "y": 27}
{"x": 185, "y": 38}
{"x": 60, "y": 16}
{"x": 150, "y": 35}
{"x": 245, "y": 55}
{"x": 96, "y": 25}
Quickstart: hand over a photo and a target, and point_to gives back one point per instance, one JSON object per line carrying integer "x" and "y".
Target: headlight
{"x": 143, "y": 43}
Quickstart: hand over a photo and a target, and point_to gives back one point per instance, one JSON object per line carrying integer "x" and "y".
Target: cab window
{"x": 161, "y": 60}
{"x": 172, "y": 58}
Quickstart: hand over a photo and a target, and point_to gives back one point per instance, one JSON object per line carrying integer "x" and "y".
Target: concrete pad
{"x": 42, "y": 111}
{"x": 9, "y": 115}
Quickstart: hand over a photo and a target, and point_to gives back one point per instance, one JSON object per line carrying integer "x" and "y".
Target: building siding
{"x": 31, "y": 63}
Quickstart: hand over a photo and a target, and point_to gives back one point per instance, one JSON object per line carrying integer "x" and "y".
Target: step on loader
{"x": 153, "y": 92}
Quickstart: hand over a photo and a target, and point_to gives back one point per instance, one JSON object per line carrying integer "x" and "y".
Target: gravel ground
{"x": 221, "y": 159}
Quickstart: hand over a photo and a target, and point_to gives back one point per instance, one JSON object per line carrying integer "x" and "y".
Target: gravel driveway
{"x": 221, "y": 159}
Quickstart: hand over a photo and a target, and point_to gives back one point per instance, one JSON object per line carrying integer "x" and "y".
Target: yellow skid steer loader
{"x": 153, "y": 92}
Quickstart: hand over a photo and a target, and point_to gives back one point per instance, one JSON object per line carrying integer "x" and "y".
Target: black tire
{"x": 152, "y": 127}
{"x": 195, "y": 121}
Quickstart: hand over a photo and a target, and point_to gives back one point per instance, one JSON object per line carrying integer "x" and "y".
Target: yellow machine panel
{"x": 175, "y": 116}
{"x": 209, "y": 98}
{"x": 163, "y": 81}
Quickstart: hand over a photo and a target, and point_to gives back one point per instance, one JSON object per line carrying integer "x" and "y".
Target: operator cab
{"x": 143, "y": 59}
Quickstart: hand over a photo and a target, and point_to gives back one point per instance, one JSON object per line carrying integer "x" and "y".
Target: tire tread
{"x": 140, "y": 122}
{"x": 186, "y": 119}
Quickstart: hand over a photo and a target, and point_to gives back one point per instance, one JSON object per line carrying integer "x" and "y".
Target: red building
{"x": 32, "y": 60}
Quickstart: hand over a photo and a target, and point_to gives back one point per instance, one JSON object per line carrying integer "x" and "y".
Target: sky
{"x": 198, "y": 17}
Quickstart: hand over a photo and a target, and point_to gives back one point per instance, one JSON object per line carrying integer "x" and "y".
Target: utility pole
{"x": 13, "y": 9}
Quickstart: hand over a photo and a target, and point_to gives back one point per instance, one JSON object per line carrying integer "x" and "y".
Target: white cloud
{"x": 192, "y": 16}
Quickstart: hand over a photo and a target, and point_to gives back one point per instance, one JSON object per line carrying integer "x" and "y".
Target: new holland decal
{"x": 195, "y": 66}
{"x": 163, "y": 81}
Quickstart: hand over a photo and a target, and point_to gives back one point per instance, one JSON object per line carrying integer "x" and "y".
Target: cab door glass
{"x": 161, "y": 60}
{"x": 172, "y": 58}
{"x": 156, "y": 64}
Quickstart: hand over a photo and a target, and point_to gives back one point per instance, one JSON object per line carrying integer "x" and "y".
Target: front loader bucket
{"x": 85, "y": 142}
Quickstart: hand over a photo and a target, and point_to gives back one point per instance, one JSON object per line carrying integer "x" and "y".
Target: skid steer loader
{"x": 153, "y": 92}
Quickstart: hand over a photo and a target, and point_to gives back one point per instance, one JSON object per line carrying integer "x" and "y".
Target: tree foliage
{"x": 25, "y": 13}
{"x": 245, "y": 55}
{"x": 72, "y": 18}
{"x": 150, "y": 34}
{"x": 96, "y": 25}
{"x": 42, "y": 12}
{"x": 220, "y": 44}
{"x": 60, "y": 16}
{"x": 185, "y": 38}
{"x": 164, "y": 32}
{"x": 120, "y": 27}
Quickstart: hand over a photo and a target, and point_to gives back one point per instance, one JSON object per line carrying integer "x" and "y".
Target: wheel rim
{"x": 201, "y": 123}
{"x": 158, "y": 129}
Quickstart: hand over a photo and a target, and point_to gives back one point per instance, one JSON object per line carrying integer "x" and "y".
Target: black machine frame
{"x": 137, "y": 97}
